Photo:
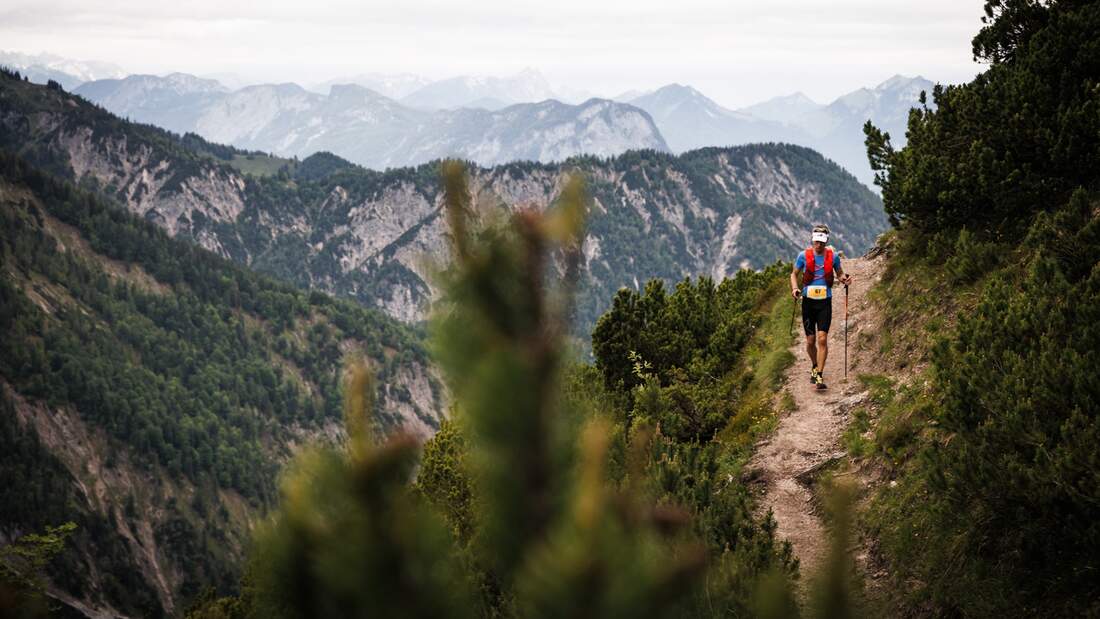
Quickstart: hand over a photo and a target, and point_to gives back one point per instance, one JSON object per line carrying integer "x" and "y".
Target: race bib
{"x": 817, "y": 292}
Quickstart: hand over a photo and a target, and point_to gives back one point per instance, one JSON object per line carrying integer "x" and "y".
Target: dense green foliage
{"x": 996, "y": 453}
{"x": 1018, "y": 139}
{"x": 22, "y": 586}
{"x": 195, "y": 346}
{"x": 684, "y": 345}
{"x": 321, "y": 165}
{"x": 998, "y": 502}
{"x": 38, "y": 492}
{"x": 1023, "y": 463}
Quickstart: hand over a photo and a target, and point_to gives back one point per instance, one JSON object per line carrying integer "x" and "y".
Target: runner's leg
{"x": 809, "y": 326}
{"x": 822, "y": 349}
{"x": 824, "y": 320}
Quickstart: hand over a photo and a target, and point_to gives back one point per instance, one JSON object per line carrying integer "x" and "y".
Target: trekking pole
{"x": 794, "y": 309}
{"x": 845, "y": 332}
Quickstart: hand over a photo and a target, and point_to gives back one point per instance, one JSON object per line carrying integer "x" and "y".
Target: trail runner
{"x": 814, "y": 284}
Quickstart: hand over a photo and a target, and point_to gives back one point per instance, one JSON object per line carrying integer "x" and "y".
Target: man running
{"x": 815, "y": 284}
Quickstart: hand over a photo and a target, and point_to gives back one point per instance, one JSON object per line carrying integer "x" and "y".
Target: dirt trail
{"x": 809, "y": 437}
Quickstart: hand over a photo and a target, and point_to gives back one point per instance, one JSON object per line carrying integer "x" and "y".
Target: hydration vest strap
{"x": 811, "y": 267}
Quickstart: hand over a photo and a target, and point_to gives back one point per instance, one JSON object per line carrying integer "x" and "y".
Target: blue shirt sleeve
{"x": 836, "y": 261}
{"x": 800, "y": 262}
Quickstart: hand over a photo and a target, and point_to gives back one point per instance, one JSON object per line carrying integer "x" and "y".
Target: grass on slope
{"x": 263, "y": 165}
{"x": 763, "y": 363}
{"x": 963, "y": 323}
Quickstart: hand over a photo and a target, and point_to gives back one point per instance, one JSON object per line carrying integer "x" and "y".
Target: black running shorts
{"x": 817, "y": 314}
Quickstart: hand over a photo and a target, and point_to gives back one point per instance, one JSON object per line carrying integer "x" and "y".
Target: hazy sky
{"x": 738, "y": 52}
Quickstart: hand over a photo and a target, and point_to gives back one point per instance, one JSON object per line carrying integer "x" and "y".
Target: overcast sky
{"x": 738, "y": 52}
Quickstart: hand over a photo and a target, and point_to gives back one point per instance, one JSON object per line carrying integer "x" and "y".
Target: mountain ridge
{"x": 377, "y": 131}
{"x": 364, "y": 234}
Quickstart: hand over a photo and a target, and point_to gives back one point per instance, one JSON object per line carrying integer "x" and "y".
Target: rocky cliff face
{"x": 366, "y": 234}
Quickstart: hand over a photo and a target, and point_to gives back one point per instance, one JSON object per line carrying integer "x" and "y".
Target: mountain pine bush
{"x": 1016, "y": 140}
{"x": 671, "y": 355}
{"x": 997, "y": 187}
{"x": 1018, "y": 479}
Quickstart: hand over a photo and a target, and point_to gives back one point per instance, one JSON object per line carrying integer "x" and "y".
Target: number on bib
{"x": 817, "y": 292}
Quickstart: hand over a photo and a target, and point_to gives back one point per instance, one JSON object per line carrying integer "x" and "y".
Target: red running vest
{"x": 811, "y": 267}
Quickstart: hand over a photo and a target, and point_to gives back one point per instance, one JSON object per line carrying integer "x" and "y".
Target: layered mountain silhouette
{"x": 688, "y": 119}
{"x": 371, "y": 129}
{"x": 495, "y": 120}
{"x": 382, "y": 120}
{"x": 70, "y": 73}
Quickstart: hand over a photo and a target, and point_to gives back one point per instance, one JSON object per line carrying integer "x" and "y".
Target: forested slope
{"x": 151, "y": 390}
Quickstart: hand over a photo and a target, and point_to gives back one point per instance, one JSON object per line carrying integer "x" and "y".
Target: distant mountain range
{"x": 485, "y": 92}
{"x": 40, "y": 68}
{"x": 785, "y": 110}
{"x": 325, "y": 223}
{"x": 392, "y": 85}
{"x": 386, "y": 120}
{"x": 374, "y": 130}
{"x": 688, "y": 119}
{"x": 491, "y": 93}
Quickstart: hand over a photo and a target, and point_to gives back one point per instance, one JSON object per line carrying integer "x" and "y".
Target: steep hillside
{"x": 986, "y": 415}
{"x": 363, "y": 234}
{"x": 149, "y": 391}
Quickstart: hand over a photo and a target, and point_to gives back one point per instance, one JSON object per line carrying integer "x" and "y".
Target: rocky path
{"x": 809, "y": 437}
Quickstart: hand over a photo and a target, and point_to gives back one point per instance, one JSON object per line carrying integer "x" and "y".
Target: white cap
{"x": 820, "y": 236}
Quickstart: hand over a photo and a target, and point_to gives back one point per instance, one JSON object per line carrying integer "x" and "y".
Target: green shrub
{"x": 1017, "y": 384}
{"x": 971, "y": 258}
{"x": 1016, "y": 140}
{"x": 688, "y": 342}
{"x": 999, "y": 513}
